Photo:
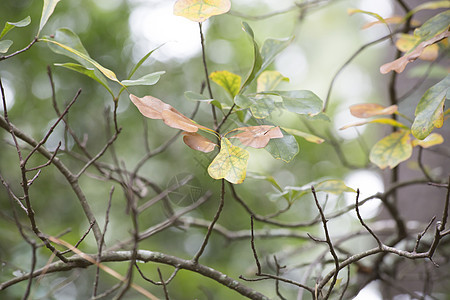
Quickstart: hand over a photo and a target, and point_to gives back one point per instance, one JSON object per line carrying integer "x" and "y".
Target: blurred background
{"x": 118, "y": 33}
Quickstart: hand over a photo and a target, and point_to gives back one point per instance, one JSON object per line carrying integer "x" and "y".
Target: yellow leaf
{"x": 198, "y": 142}
{"x": 431, "y": 140}
{"x": 392, "y": 149}
{"x": 200, "y": 10}
{"x": 230, "y": 163}
{"x": 380, "y": 121}
{"x": 368, "y": 110}
{"x": 229, "y": 81}
{"x": 307, "y": 136}
{"x": 406, "y": 42}
{"x": 333, "y": 186}
{"x": 269, "y": 80}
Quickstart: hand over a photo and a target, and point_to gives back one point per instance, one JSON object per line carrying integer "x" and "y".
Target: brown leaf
{"x": 198, "y": 142}
{"x": 368, "y": 110}
{"x": 399, "y": 64}
{"x": 258, "y": 136}
{"x": 154, "y": 108}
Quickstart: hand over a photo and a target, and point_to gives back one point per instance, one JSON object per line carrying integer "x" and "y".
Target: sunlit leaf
{"x": 257, "y": 59}
{"x": 406, "y": 42}
{"x": 391, "y": 150}
{"x": 47, "y": 11}
{"x": 200, "y": 10}
{"x": 10, "y": 25}
{"x": 431, "y": 140}
{"x": 154, "y": 108}
{"x": 307, "y": 136}
{"x": 430, "y": 110}
{"x": 230, "y": 163}
{"x": 90, "y": 72}
{"x": 301, "y": 101}
{"x": 399, "y": 64}
{"x": 368, "y": 110}
{"x": 386, "y": 121}
{"x": 149, "y": 79}
{"x": 258, "y": 136}
{"x": 380, "y": 19}
{"x": 229, "y": 81}
{"x": 285, "y": 148}
{"x": 198, "y": 142}
{"x": 4, "y": 45}
{"x": 332, "y": 186}
{"x": 269, "y": 80}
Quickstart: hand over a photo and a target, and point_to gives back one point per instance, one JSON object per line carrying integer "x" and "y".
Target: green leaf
{"x": 230, "y": 163}
{"x": 430, "y": 110}
{"x": 149, "y": 79}
{"x": 285, "y": 148}
{"x": 386, "y": 121}
{"x": 243, "y": 101}
{"x": 257, "y": 60}
{"x": 428, "y": 5}
{"x": 270, "y": 50}
{"x": 142, "y": 60}
{"x": 90, "y": 72}
{"x": 307, "y": 136}
{"x": 432, "y": 27}
{"x": 332, "y": 186}
{"x": 301, "y": 101}
{"x": 193, "y": 96}
{"x": 47, "y": 11}
{"x": 269, "y": 80}
{"x": 11, "y": 25}
{"x": 260, "y": 106}
{"x": 68, "y": 43}
{"x": 376, "y": 16}
{"x": 229, "y": 81}
{"x": 391, "y": 150}
{"x": 200, "y": 10}
{"x": 267, "y": 178}
{"x": 4, "y": 45}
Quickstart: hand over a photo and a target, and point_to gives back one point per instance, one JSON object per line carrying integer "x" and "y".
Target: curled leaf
{"x": 10, "y": 25}
{"x": 198, "y": 142}
{"x": 200, "y": 10}
{"x": 154, "y": 108}
{"x": 230, "y": 163}
{"x": 258, "y": 136}
{"x": 368, "y": 110}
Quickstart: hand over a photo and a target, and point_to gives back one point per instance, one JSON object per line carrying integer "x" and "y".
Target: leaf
{"x": 149, "y": 79}
{"x": 380, "y": 121}
{"x": 391, "y": 150}
{"x": 47, "y": 11}
{"x": 267, "y": 178}
{"x": 270, "y": 50}
{"x": 430, "y": 110}
{"x": 230, "y": 163}
{"x": 428, "y": 5}
{"x": 399, "y": 64}
{"x": 258, "y": 136}
{"x": 431, "y": 140}
{"x": 406, "y": 42}
{"x": 90, "y": 72}
{"x": 285, "y": 148}
{"x": 368, "y": 110}
{"x": 4, "y": 45}
{"x": 269, "y": 80}
{"x": 198, "y": 142}
{"x": 229, "y": 81}
{"x": 142, "y": 60}
{"x": 200, "y": 10}
{"x": 307, "y": 136}
{"x": 433, "y": 27}
{"x": 154, "y": 108}
{"x": 261, "y": 106}
{"x": 10, "y": 25}
{"x": 391, "y": 20}
{"x": 301, "y": 101}
{"x": 333, "y": 186}
{"x": 257, "y": 59}
{"x": 67, "y": 43}
{"x": 380, "y": 19}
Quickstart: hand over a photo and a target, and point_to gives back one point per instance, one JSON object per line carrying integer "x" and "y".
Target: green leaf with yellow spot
{"x": 269, "y": 80}
{"x": 230, "y": 163}
{"x": 201, "y": 10}
{"x": 430, "y": 110}
{"x": 333, "y": 186}
{"x": 229, "y": 81}
{"x": 391, "y": 150}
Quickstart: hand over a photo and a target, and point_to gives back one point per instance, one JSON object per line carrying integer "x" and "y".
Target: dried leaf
{"x": 431, "y": 140}
{"x": 201, "y": 10}
{"x": 258, "y": 136}
{"x": 230, "y": 163}
{"x": 198, "y": 142}
{"x": 368, "y": 110}
{"x": 392, "y": 150}
{"x": 175, "y": 119}
{"x": 399, "y": 64}
{"x": 406, "y": 42}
